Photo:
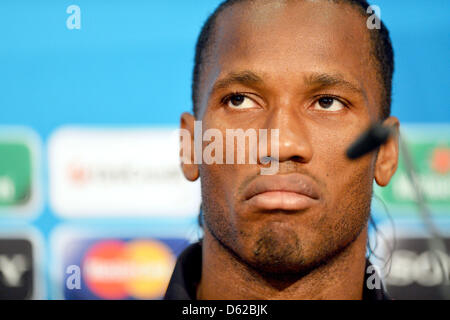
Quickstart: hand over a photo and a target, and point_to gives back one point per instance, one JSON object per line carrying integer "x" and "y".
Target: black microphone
{"x": 370, "y": 140}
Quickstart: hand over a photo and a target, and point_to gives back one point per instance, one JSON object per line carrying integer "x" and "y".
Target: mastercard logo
{"x": 139, "y": 269}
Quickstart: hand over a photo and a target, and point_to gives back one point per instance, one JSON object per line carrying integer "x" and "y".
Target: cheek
{"x": 213, "y": 182}
{"x": 346, "y": 180}
{"x": 219, "y": 184}
{"x": 350, "y": 200}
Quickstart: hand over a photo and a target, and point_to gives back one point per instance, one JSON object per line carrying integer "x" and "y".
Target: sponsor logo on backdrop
{"x": 416, "y": 272}
{"x": 430, "y": 153}
{"x": 16, "y": 269}
{"x": 18, "y": 170}
{"x": 15, "y": 173}
{"x": 119, "y": 268}
{"x": 119, "y": 172}
{"x": 116, "y": 269}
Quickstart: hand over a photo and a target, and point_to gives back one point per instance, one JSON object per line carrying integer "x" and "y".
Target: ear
{"x": 387, "y": 158}
{"x": 190, "y": 169}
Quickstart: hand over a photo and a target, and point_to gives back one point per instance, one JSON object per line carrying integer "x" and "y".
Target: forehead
{"x": 285, "y": 39}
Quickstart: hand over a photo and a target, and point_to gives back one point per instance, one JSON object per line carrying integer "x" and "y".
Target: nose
{"x": 293, "y": 143}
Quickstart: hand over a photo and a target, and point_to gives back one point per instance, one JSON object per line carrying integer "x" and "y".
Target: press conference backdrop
{"x": 92, "y": 201}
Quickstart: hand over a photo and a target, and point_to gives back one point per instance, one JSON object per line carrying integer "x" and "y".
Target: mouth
{"x": 290, "y": 192}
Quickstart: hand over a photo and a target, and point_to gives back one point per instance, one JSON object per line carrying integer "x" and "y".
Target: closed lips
{"x": 286, "y": 192}
{"x": 296, "y": 183}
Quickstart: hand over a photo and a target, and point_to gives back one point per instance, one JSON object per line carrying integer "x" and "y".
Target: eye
{"x": 239, "y": 101}
{"x": 328, "y": 104}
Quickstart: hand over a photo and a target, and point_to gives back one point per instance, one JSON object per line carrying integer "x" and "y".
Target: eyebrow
{"x": 316, "y": 80}
{"x": 325, "y": 80}
{"x": 244, "y": 77}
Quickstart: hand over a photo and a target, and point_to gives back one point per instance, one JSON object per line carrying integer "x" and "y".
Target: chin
{"x": 281, "y": 249}
{"x": 275, "y": 250}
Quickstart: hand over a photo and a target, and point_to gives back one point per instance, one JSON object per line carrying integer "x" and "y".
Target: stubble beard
{"x": 277, "y": 250}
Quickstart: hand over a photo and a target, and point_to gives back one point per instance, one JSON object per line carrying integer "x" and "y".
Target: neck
{"x": 226, "y": 277}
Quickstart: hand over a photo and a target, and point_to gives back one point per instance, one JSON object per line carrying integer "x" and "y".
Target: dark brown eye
{"x": 240, "y": 101}
{"x": 326, "y": 102}
{"x": 237, "y": 100}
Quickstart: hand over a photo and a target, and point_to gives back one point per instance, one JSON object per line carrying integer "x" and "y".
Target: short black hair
{"x": 381, "y": 44}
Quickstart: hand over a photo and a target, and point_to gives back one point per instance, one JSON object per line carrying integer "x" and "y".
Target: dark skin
{"x": 305, "y": 68}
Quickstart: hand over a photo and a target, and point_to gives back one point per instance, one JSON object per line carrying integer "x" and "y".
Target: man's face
{"x": 304, "y": 68}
